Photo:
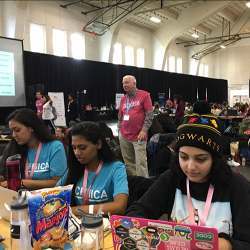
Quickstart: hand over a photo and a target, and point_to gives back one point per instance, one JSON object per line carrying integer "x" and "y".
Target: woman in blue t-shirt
{"x": 43, "y": 159}
{"x": 100, "y": 182}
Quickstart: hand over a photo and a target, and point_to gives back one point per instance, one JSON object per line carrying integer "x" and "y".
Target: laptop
{"x": 6, "y": 196}
{"x": 144, "y": 234}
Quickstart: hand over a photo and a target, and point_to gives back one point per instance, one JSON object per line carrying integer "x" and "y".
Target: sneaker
{"x": 232, "y": 163}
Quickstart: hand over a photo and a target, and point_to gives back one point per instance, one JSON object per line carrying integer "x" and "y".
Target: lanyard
{"x": 84, "y": 183}
{"x": 69, "y": 103}
{"x": 128, "y": 104}
{"x": 204, "y": 215}
{"x": 29, "y": 174}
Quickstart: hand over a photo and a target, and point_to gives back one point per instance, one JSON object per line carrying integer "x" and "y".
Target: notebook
{"x": 144, "y": 234}
{"x": 6, "y": 196}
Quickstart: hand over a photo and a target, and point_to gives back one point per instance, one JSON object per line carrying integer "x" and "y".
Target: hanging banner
{"x": 58, "y": 102}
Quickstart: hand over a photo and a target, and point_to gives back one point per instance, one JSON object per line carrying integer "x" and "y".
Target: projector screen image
{"x": 7, "y": 75}
{"x": 12, "y": 87}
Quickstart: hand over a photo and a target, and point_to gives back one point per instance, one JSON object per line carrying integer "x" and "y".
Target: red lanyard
{"x": 204, "y": 215}
{"x": 29, "y": 174}
{"x": 84, "y": 183}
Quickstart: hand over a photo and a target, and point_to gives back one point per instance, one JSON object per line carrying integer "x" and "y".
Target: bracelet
{"x": 91, "y": 209}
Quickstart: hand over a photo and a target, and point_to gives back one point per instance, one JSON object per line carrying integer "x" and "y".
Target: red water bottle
{"x": 13, "y": 172}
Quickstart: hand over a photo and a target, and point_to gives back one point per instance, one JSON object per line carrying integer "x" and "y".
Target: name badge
{"x": 125, "y": 117}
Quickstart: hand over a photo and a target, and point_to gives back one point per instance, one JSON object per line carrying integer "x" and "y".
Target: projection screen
{"x": 12, "y": 87}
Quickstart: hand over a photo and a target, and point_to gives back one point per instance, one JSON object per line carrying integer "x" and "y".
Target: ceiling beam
{"x": 69, "y": 4}
{"x": 191, "y": 17}
{"x": 228, "y": 15}
{"x": 237, "y": 28}
{"x": 203, "y": 29}
{"x": 166, "y": 6}
{"x": 100, "y": 23}
{"x": 171, "y": 14}
{"x": 118, "y": 4}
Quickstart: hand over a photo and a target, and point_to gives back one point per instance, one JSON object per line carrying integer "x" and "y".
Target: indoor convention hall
{"x": 124, "y": 124}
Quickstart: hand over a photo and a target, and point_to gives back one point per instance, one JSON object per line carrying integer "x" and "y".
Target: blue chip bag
{"x": 49, "y": 213}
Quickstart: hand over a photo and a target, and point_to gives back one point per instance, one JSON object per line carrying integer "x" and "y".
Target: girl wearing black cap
{"x": 200, "y": 172}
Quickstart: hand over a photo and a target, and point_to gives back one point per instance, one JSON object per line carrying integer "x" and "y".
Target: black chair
{"x": 158, "y": 154}
{"x": 138, "y": 185}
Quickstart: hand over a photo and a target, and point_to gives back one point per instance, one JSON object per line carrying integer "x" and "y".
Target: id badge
{"x": 125, "y": 117}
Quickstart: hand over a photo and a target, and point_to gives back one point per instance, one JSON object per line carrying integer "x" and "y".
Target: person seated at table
{"x": 156, "y": 110}
{"x": 180, "y": 107}
{"x": 201, "y": 179}
{"x": 243, "y": 109}
{"x": 89, "y": 113}
{"x": 43, "y": 162}
{"x": 61, "y": 134}
{"x": 188, "y": 108}
{"x": 100, "y": 182}
{"x": 169, "y": 104}
{"x": 216, "y": 109}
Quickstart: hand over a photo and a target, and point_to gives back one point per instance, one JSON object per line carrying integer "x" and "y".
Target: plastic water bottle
{"x": 19, "y": 224}
{"x": 92, "y": 232}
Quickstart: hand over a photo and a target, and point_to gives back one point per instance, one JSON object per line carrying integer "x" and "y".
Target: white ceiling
{"x": 172, "y": 10}
{"x": 107, "y": 13}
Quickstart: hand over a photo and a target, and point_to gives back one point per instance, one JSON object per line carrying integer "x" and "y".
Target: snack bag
{"x": 49, "y": 213}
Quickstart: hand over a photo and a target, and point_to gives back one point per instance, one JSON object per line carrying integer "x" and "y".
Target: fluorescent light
{"x": 222, "y": 46}
{"x": 195, "y": 35}
{"x": 248, "y": 4}
{"x": 155, "y": 19}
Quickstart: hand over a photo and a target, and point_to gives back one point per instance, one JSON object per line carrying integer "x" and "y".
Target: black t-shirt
{"x": 229, "y": 212}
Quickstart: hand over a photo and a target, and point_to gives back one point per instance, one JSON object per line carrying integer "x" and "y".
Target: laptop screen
{"x": 138, "y": 233}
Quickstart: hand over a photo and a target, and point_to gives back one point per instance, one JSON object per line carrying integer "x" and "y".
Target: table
{"x": 231, "y": 117}
{"x": 5, "y": 231}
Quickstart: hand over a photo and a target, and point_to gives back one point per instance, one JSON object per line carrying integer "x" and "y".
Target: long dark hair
{"x": 28, "y": 118}
{"x": 92, "y": 133}
{"x": 220, "y": 174}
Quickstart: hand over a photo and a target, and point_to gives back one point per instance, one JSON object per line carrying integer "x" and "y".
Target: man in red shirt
{"x": 134, "y": 119}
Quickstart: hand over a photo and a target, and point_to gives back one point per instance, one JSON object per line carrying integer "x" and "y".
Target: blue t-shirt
{"x": 111, "y": 181}
{"x": 51, "y": 162}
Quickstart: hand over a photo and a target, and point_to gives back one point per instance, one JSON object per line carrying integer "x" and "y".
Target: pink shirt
{"x": 39, "y": 107}
{"x": 135, "y": 107}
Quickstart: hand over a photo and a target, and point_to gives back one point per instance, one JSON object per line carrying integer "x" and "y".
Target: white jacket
{"x": 47, "y": 111}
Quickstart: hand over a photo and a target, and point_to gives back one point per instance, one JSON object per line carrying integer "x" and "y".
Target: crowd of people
{"x": 176, "y": 156}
